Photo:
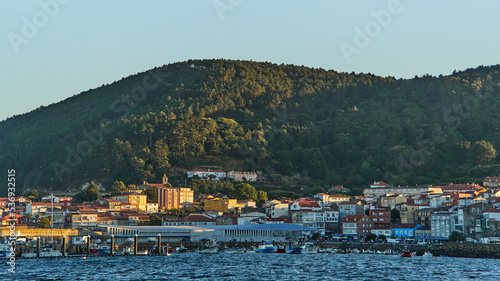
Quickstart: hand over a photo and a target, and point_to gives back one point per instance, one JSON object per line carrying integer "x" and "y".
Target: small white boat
{"x": 49, "y": 253}
{"x": 234, "y": 250}
{"x": 309, "y": 249}
{"x": 354, "y": 251}
{"x": 44, "y": 253}
{"x": 388, "y": 252}
{"x": 427, "y": 255}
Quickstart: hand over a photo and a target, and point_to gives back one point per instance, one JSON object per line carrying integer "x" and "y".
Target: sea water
{"x": 193, "y": 266}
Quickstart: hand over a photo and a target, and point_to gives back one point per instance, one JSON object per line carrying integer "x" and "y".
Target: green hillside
{"x": 322, "y": 126}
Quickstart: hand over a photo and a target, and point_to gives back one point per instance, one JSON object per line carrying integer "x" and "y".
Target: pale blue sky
{"x": 83, "y": 44}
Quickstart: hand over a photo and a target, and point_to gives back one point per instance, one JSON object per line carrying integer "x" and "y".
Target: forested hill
{"x": 329, "y": 127}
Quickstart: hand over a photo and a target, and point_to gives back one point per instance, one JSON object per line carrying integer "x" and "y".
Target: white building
{"x": 246, "y": 218}
{"x": 492, "y": 214}
{"x": 242, "y": 176}
{"x": 278, "y": 210}
{"x": 207, "y": 174}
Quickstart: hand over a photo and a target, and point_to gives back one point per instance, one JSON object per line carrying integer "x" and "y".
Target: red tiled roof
{"x": 355, "y": 201}
{"x": 338, "y": 187}
{"x": 461, "y": 187}
{"x": 353, "y": 218}
{"x": 206, "y": 170}
{"x": 491, "y": 179}
{"x": 379, "y": 183}
{"x": 198, "y": 218}
{"x": 493, "y": 210}
{"x": 308, "y": 204}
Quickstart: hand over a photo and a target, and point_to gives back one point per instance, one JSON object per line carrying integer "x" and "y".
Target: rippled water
{"x": 193, "y": 266}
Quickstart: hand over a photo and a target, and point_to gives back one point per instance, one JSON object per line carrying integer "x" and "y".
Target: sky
{"x": 53, "y": 49}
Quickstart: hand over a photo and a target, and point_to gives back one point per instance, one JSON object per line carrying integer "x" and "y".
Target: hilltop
{"x": 323, "y": 127}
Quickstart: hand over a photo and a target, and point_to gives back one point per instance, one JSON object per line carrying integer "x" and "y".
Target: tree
{"x": 151, "y": 195}
{"x": 118, "y": 188}
{"x": 262, "y": 195}
{"x": 91, "y": 193}
{"x": 395, "y": 215}
{"x": 44, "y": 222}
{"x": 245, "y": 191}
{"x": 132, "y": 187}
{"x": 371, "y": 237}
{"x": 382, "y": 237}
{"x": 154, "y": 219}
{"x": 33, "y": 195}
{"x": 27, "y": 218}
{"x": 456, "y": 236}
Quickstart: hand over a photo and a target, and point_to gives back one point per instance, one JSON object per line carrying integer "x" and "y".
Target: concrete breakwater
{"x": 466, "y": 250}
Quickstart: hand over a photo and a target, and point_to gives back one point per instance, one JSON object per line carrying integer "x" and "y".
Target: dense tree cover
{"x": 330, "y": 127}
{"x": 457, "y": 236}
{"x": 118, "y": 188}
{"x": 151, "y": 195}
{"x": 91, "y": 193}
{"x": 240, "y": 191}
{"x": 154, "y": 220}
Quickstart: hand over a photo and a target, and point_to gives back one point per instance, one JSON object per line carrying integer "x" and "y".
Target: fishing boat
{"x": 209, "y": 248}
{"x": 104, "y": 250}
{"x": 6, "y": 250}
{"x": 266, "y": 248}
{"x": 294, "y": 250}
{"x": 406, "y": 254}
{"x": 234, "y": 250}
{"x": 281, "y": 249}
{"x": 309, "y": 248}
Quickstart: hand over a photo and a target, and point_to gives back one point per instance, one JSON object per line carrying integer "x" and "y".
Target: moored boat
{"x": 281, "y": 249}
{"x": 181, "y": 249}
{"x": 209, "y": 248}
{"x": 266, "y": 247}
{"x": 295, "y": 250}
{"x": 427, "y": 254}
{"x": 309, "y": 249}
{"x": 406, "y": 254}
{"x": 6, "y": 250}
{"x": 388, "y": 252}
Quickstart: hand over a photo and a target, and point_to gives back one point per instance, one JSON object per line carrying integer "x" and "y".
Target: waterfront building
{"x": 190, "y": 220}
{"x": 381, "y": 216}
{"x": 442, "y": 224}
{"x": 405, "y": 230}
{"x": 353, "y": 207}
{"x": 357, "y": 225}
{"x": 277, "y": 232}
{"x": 381, "y": 230}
